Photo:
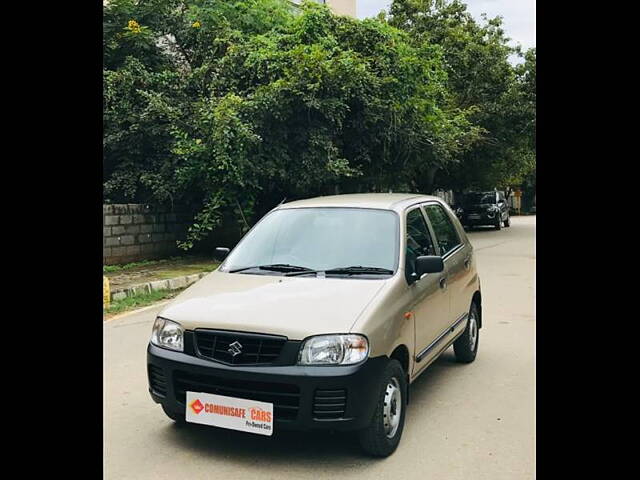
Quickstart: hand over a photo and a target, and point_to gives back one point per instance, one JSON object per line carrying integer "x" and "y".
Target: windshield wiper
{"x": 354, "y": 270}
{"x": 276, "y": 267}
{"x": 359, "y": 270}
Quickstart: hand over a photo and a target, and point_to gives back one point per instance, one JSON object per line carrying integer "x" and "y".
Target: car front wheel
{"x": 382, "y": 436}
{"x": 507, "y": 222}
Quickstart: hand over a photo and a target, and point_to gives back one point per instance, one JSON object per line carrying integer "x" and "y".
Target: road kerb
{"x": 176, "y": 283}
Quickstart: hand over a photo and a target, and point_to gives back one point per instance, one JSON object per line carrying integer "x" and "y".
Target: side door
{"x": 457, "y": 256}
{"x": 429, "y": 295}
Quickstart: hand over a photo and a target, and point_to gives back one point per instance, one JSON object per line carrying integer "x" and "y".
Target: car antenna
{"x": 282, "y": 201}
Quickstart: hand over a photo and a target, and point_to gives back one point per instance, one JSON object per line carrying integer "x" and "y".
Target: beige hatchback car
{"x": 320, "y": 318}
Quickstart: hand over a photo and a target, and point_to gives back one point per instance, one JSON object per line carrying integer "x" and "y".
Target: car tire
{"x": 466, "y": 346}
{"x": 507, "y": 222}
{"x": 498, "y": 224}
{"x": 176, "y": 417}
{"x": 382, "y": 436}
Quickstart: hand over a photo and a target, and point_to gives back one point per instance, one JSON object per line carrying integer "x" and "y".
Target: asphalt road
{"x": 468, "y": 422}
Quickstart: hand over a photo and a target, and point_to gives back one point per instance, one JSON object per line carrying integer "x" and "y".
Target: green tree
{"x": 511, "y": 161}
{"x": 160, "y": 57}
{"x": 232, "y": 106}
{"x": 481, "y": 79}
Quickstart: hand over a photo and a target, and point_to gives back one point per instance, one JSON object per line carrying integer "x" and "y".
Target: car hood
{"x": 296, "y": 307}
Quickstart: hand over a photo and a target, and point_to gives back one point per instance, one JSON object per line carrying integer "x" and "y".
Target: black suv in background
{"x": 484, "y": 208}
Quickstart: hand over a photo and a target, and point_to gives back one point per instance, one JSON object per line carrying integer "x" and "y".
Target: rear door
{"x": 456, "y": 254}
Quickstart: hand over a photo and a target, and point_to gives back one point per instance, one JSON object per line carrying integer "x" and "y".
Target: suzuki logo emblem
{"x": 235, "y": 348}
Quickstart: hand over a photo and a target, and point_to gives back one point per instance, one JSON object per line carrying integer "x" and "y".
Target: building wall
{"x": 343, "y": 7}
{"x": 340, "y": 7}
{"x": 134, "y": 232}
{"x": 446, "y": 195}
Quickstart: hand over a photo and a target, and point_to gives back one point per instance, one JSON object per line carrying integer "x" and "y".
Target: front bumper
{"x": 483, "y": 219}
{"x": 302, "y": 395}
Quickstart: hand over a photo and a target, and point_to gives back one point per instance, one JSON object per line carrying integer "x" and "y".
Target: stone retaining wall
{"x": 134, "y": 232}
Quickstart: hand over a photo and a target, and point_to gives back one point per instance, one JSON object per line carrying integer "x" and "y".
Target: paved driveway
{"x": 466, "y": 422}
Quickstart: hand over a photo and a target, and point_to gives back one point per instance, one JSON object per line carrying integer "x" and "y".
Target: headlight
{"x": 334, "y": 350}
{"x": 168, "y": 334}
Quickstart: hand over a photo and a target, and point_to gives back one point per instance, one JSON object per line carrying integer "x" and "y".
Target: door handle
{"x": 443, "y": 282}
{"x": 467, "y": 262}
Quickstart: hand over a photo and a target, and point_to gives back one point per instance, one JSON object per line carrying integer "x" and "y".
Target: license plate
{"x": 229, "y": 412}
{"x": 474, "y": 216}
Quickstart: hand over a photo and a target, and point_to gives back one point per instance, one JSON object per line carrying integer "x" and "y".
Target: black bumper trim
{"x": 297, "y": 385}
{"x": 484, "y": 220}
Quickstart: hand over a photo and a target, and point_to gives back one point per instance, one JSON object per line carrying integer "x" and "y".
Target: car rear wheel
{"x": 382, "y": 436}
{"x": 466, "y": 346}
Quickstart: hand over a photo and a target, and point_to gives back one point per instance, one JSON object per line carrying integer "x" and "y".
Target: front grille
{"x": 254, "y": 349}
{"x": 157, "y": 380}
{"x": 474, "y": 211}
{"x": 285, "y": 397}
{"x": 329, "y": 404}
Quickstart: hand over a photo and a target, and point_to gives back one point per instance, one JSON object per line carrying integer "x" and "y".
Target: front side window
{"x": 418, "y": 241}
{"x": 320, "y": 239}
{"x": 443, "y": 228}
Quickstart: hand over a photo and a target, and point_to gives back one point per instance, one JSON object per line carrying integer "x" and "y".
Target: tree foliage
{"x": 476, "y": 57}
{"x": 232, "y": 106}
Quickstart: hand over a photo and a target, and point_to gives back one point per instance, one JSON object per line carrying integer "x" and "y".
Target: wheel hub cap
{"x": 392, "y": 407}
{"x": 473, "y": 332}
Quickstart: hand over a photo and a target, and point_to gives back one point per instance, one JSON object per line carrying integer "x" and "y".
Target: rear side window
{"x": 446, "y": 234}
{"x": 419, "y": 241}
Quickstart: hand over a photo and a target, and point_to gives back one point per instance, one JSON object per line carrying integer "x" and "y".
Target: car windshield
{"x": 476, "y": 198}
{"x": 320, "y": 239}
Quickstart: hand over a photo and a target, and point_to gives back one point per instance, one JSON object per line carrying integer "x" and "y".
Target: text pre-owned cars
{"x": 484, "y": 208}
{"x": 320, "y": 318}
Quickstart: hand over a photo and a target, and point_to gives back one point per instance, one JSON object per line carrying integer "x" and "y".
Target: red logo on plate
{"x": 197, "y": 406}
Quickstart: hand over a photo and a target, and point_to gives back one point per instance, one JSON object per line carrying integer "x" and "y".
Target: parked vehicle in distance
{"x": 320, "y": 318}
{"x": 484, "y": 208}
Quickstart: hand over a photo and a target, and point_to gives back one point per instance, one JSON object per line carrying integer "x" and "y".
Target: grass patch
{"x": 138, "y": 301}
{"x": 186, "y": 270}
{"x": 128, "y": 266}
{"x": 191, "y": 264}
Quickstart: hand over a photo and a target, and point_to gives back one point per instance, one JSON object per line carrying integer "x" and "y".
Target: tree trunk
{"x": 429, "y": 180}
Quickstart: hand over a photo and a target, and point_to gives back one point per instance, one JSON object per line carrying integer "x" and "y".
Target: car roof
{"x": 385, "y": 201}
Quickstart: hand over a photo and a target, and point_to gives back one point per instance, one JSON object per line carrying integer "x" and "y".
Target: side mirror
{"x": 428, "y": 264}
{"x": 221, "y": 253}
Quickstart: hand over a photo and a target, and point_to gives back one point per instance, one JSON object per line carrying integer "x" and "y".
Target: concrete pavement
{"x": 468, "y": 422}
